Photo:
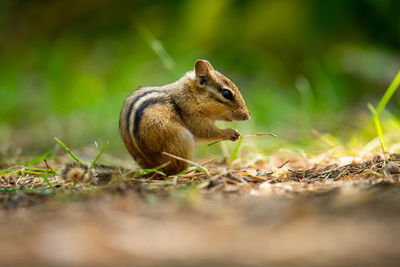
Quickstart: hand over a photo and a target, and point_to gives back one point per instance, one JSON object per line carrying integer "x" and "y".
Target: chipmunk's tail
{"x": 98, "y": 174}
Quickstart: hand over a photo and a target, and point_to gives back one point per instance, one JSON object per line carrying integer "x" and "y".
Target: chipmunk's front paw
{"x": 232, "y": 134}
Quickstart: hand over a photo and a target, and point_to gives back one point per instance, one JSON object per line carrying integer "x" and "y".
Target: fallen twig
{"x": 208, "y": 162}
{"x": 283, "y": 164}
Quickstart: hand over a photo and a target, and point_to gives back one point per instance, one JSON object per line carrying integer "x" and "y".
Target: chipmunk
{"x": 172, "y": 117}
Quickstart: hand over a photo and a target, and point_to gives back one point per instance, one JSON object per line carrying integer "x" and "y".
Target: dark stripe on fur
{"x": 135, "y": 100}
{"x": 177, "y": 109}
{"x": 217, "y": 99}
{"x": 139, "y": 111}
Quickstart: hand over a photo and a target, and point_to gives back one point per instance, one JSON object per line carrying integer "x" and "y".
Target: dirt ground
{"x": 343, "y": 214}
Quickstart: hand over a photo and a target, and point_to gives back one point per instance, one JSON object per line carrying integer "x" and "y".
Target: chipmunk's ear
{"x": 202, "y": 68}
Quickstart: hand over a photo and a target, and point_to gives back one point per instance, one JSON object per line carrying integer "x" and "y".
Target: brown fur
{"x": 170, "y": 118}
{"x": 99, "y": 174}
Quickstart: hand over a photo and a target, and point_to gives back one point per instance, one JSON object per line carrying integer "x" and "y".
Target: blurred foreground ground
{"x": 346, "y": 215}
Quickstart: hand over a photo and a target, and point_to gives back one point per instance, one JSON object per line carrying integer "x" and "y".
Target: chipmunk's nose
{"x": 245, "y": 116}
{"x": 241, "y": 115}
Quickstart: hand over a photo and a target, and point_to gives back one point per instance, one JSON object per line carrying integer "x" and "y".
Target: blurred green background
{"x": 67, "y": 66}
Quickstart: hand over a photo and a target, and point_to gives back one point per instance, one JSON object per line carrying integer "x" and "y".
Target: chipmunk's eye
{"x": 202, "y": 80}
{"x": 226, "y": 93}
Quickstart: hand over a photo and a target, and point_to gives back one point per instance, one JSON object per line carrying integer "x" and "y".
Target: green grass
{"x": 235, "y": 150}
{"x": 388, "y": 94}
{"x": 99, "y": 155}
{"x": 152, "y": 170}
{"x": 381, "y": 106}
{"x": 48, "y": 182}
{"x": 37, "y": 159}
{"x": 69, "y": 151}
{"x": 378, "y": 126}
{"x": 28, "y": 170}
{"x": 77, "y": 159}
{"x": 156, "y": 45}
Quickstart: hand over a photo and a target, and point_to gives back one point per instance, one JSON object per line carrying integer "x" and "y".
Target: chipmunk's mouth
{"x": 226, "y": 119}
{"x": 222, "y": 118}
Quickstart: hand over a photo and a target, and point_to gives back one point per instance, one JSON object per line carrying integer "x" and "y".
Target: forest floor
{"x": 291, "y": 210}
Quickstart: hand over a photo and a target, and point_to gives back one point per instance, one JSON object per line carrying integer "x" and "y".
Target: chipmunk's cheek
{"x": 228, "y": 117}
{"x": 225, "y": 117}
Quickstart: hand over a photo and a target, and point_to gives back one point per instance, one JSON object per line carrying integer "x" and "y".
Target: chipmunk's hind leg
{"x": 172, "y": 138}
{"x": 158, "y": 128}
{"x": 181, "y": 145}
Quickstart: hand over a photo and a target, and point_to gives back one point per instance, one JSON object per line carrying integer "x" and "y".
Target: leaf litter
{"x": 211, "y": 177}
{"x": 144, "y": 216}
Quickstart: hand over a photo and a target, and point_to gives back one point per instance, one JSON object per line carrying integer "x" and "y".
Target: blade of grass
{"x": 156, "y": 169}
{"x": 37, "y": 159}
{"x": 235, "y": 150}
{"x": 8, "y": 190}
{"x": 378, "y": 126}
{"x": 190, "y": 169}
{"x": 48, "y": 182}
{"x": 17, "y": 190}
{"x": 98, "y": 155}
{"x": 32, "y": 172}
{"x": 156, "y": 45}
{"x": 69, "y": 151}
{"x": 388, "y": 94}
{"x": 123, "y": 175}
{"x": 29, "y": 170}
{"x": 148, "y": 171}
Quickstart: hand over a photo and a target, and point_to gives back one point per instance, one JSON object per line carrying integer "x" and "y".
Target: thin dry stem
{"x": 188, "y": 161}
{"x": 244, "y": 136}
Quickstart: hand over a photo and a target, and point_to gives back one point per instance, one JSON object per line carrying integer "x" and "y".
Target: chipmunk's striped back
{"x": 137, "y": 103}
{"x": 130, "y": 119}
{"x": 137, "y": 132}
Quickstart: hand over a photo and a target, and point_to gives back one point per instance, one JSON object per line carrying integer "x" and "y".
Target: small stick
{"x": 48, "y": 167}
{"x": 283, "y": 164}
{"x": 248, "y": 135}
{"x": 260, "y": 134}
{"x": 208, "y": 162}
{"x": 188, "y": 161}
{"x": 239, "y": 178}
